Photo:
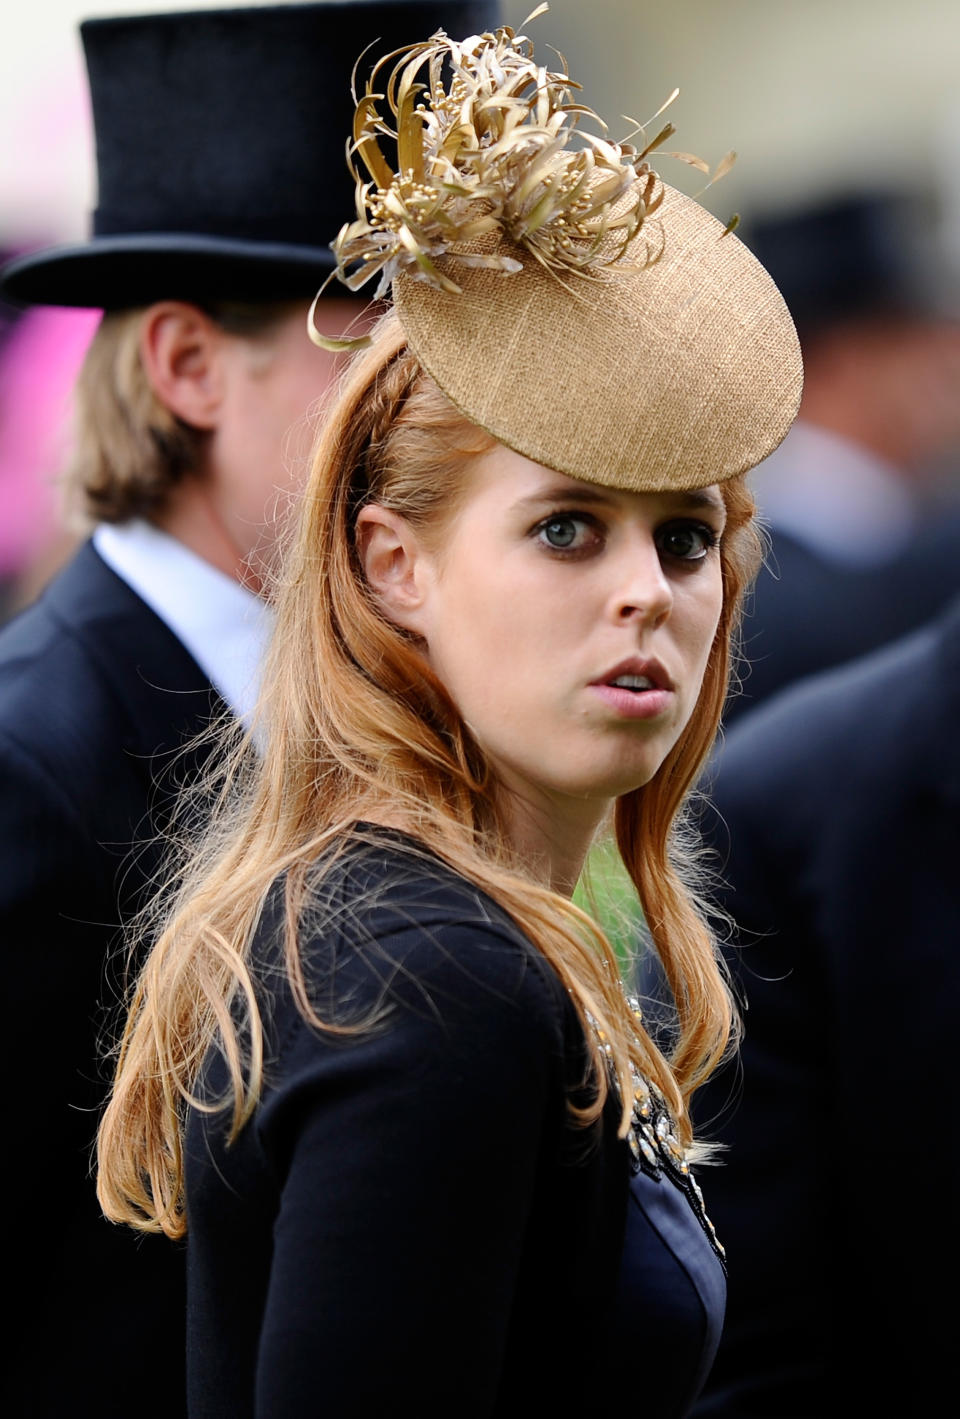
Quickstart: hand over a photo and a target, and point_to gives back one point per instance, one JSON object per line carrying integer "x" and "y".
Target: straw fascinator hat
{"x": 565, "y": 299}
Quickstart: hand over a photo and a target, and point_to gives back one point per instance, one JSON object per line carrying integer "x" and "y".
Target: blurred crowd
{"x": 862, "y": 499}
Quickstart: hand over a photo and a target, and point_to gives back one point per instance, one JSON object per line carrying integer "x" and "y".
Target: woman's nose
{"x": 644, "y": 593}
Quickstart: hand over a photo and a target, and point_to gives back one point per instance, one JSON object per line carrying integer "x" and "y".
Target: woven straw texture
{"x": 673, "y": 377}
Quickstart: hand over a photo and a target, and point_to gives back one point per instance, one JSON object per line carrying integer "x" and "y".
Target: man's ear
{"x": 181, "y": 350}
{"x": 395, "y": 565}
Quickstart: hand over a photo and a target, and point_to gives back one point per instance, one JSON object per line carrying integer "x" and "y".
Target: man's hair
{"x": 129, "y": 450}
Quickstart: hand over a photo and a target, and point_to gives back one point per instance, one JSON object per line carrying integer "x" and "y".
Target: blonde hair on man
{"x": 129, "y": 450}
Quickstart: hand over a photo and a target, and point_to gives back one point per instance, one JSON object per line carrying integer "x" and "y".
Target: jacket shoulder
{"x": 832, "y": 726}
{"x": 396, "y": 930}
{"x": 89, "y": 673}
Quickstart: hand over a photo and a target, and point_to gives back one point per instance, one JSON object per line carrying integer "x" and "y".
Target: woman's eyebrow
{"x": 692, "y": 500}
{"x": 701, "y": 500}
{"x": 566, "y": 493}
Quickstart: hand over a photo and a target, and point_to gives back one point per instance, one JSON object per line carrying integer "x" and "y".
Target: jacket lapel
{"x": 165, "y": 697}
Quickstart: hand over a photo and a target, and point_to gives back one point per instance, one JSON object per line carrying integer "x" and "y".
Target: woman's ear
{"x": 181, "y": 350}
{"x": 395, "y": 565}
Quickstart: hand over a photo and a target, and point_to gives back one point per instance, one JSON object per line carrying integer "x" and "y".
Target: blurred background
{"x": 817, "y": 96}
{"x": 846, "y": 120}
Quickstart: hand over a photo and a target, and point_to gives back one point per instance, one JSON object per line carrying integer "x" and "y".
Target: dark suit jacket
{"x": 806, "y": 614}
{"x": 93, "y": 687}
{"x": 839, "y": 818}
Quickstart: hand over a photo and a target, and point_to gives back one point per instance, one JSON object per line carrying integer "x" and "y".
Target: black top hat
{"x": 854, "y": 255}
{"x": 221, "y": 140}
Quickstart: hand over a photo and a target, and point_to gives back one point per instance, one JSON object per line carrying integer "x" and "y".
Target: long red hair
{"x": 355, "y": 726}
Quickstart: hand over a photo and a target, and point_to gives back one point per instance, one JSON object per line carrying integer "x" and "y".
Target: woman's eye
{"x": 686, "y": 541}
{"x": 566, "y": 533}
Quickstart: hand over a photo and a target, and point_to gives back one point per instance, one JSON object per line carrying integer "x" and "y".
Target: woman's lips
{"x": 638, "y": 688}
{"x": 633, "y": 704}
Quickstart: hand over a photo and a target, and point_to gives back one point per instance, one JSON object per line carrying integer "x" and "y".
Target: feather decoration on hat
{"x": 484, "y": 163}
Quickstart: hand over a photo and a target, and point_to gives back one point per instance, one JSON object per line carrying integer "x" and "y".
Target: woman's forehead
{"x": 528, "y": 485}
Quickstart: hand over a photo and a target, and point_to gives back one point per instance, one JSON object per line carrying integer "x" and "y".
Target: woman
{"x": 379, "y": 1067}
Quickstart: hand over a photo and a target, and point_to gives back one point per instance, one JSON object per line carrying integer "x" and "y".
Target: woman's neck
{"x": 551, "y": 838}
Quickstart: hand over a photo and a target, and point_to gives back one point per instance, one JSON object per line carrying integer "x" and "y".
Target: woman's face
{"x": 572, "y": 623}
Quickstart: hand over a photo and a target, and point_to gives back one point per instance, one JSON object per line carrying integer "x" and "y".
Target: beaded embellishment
{"x": 654, "y": 1146}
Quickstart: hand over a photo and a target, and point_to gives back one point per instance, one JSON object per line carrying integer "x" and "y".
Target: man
{"x": 863, "y": 519}
{"x": 216, "y": 204}
{"x": 836, "y": 812}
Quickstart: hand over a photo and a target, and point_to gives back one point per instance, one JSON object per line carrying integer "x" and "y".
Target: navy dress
{"x": 409, "y": 1218}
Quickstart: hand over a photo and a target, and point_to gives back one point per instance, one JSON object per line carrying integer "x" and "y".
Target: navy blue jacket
{"x": 806, "y": 614}
{"x": 837, "y": 812}
{"x": 96, "y": 695}
{"x": 408, "y": 1222}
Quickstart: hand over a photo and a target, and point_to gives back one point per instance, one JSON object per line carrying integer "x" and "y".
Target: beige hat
{"x": 580, "y": 310}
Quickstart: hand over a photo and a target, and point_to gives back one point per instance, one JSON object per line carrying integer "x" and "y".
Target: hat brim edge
{"x": 116, "y": 272}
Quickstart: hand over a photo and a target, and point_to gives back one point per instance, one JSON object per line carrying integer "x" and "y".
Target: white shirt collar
{"x": 223, "y": 625}
{"x": 835, "y": 497}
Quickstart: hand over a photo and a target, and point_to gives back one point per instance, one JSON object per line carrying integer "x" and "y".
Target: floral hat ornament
{"x": 566, "y": 299}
